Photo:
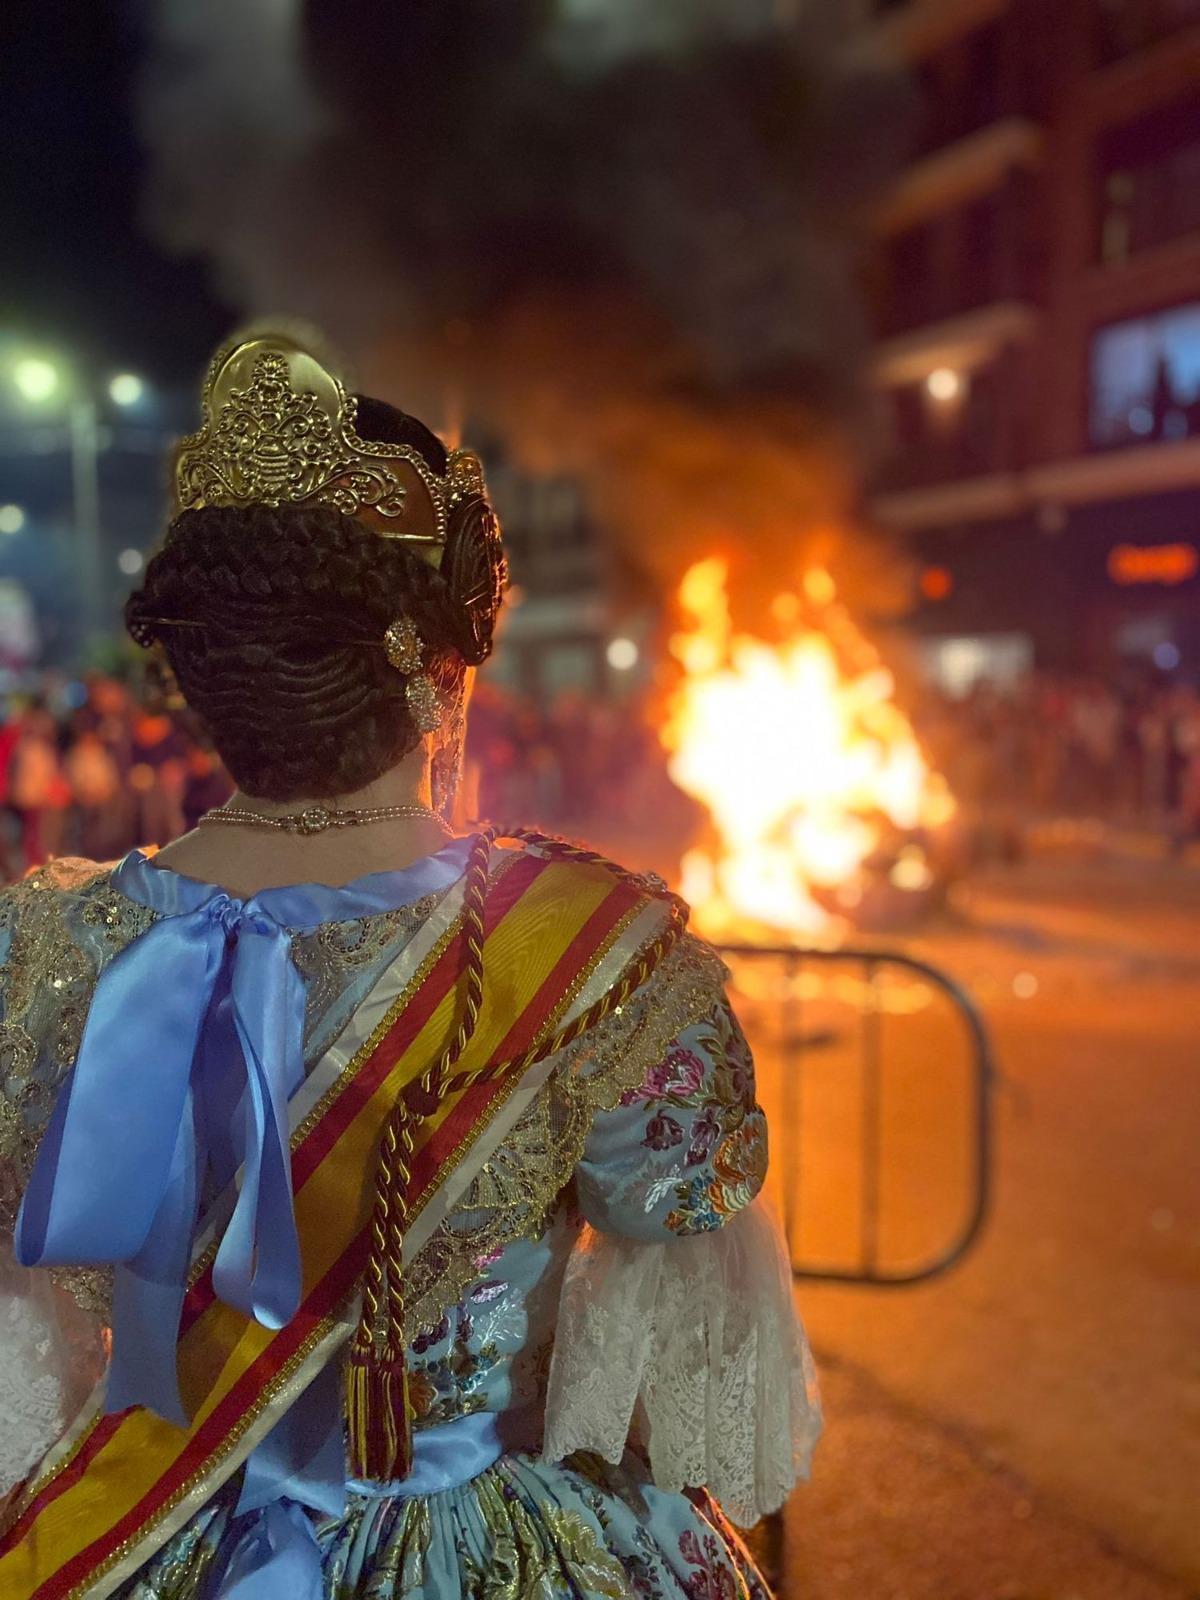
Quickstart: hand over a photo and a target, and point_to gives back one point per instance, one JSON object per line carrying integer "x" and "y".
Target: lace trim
{"x": 514, "y": 1191}
{"x": 50, "y": 1357}
{"x": 699, "y": 1340}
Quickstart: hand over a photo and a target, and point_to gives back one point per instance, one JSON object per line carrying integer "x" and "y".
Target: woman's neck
{"x": 407, "y": 783}
{"x": 245, "y": 859}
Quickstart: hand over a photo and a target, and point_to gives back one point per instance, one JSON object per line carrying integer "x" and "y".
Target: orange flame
{"x": 800, "y": 754}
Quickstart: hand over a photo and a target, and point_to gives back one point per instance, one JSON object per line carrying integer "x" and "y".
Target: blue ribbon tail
{"x": 257, "y": 1267}
{"x": 277, "y": 1556}
{"x": 148, "y": 1293}
{"x": 303, "y": 1458}
{"x": 116, "y": 1178}
{"x": 109, "y": 1153}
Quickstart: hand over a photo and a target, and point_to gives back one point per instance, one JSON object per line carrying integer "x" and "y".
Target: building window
{"x": 1126, "y": 26}
{"x": 911, "y": 292}
{"x": 1145, "y": 379}
{"x": 963, "y": 259}
{"x": 960, "y": 88}
{"x": 941, "y": 432}
{"x": 1150, "y": 181}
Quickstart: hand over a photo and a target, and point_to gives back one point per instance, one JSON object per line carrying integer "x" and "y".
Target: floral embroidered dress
{"x": 611, "y": 1353}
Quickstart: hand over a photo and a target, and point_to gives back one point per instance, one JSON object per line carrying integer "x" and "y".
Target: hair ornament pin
{"x": 404, "y": 650}
{"x": 402, "y": 643}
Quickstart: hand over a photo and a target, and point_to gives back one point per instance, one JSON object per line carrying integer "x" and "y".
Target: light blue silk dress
{"x": 674, "y": 1152}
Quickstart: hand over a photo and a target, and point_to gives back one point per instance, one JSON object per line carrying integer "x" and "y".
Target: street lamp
{"x": 126, "y": 389}
{"x": 36, "y": 378}
{"x": 40, "y": 382}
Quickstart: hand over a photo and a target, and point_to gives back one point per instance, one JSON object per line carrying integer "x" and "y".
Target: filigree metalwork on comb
{"x": 280, "y": 428}
{"x": 272, "y": 445}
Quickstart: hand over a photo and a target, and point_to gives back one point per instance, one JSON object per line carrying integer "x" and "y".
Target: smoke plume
{"x": 621, "y": 237}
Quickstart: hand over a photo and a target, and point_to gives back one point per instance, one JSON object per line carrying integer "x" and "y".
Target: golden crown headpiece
{"x": 279, "y": 428}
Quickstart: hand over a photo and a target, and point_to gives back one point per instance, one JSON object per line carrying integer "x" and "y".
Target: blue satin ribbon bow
{"x": 118, "y": 1175}
{"x": 193, "y": 1046}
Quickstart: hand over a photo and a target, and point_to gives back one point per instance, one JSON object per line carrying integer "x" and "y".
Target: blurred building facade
{"x": 576, "y": 622}
{"x": 1035, "y": 286}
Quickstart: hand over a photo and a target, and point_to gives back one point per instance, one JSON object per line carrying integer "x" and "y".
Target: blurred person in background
{"x": 157, "y": 775}
{"x": 38, "y": 791}
{"x": 94, "y": 782}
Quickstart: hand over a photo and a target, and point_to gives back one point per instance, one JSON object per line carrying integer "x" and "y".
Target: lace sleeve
{"x": 700, "y": 1336}
{"x": 51, "y": 1355}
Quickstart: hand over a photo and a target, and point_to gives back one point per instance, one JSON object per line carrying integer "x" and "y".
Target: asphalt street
{"x": 1026, "y": 1425}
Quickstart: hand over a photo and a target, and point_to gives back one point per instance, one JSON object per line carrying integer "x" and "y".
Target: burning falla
{"x": 801, "y": 755}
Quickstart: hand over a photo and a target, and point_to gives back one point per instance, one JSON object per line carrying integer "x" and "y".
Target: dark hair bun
{"x": 273, "y": 622}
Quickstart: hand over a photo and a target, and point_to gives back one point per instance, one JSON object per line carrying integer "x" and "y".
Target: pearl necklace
{"x": 316, "y": 819}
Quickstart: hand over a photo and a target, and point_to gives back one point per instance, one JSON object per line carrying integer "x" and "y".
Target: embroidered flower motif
{"x": 421, "y": 1394}
{"x": 695, "y": 1211}
{"x": 740, "y": 1166}
{"x": 677, "y": 1077}
{"x": 485, "y": 1292}
{"x": 735, "y": 1081}
{"x": 662, "y": 1132}
{"x": 431, "y": 1336}
{"x": 706, "y": 1130}
{"x": 714, "y": 1578}
{"x": 680, "y": 1074}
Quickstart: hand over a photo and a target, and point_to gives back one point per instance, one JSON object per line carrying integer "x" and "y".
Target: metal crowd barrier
{"x": 801, "y": 980}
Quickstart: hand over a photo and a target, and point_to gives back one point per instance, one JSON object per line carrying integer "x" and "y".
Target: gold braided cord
{"x": 382, "y": 1274}
{"x": 380, "y": 1440}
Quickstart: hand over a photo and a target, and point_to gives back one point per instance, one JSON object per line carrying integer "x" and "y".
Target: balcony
{"x": 1126, "y": 27}
{"x": 958, "y": 424}
{"x": 958, "y": 262}
{"x": 961, "y": 344}
{"x": 916, "y": 29}
{"x": 1122, "y": 474}
{"x": 966, "y": 170}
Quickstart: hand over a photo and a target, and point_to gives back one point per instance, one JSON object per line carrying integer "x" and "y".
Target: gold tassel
{"x": 378, "y": 1414}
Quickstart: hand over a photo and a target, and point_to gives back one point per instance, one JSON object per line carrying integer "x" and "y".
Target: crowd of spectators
{"x": 580, "y": 765}
{"x": 93, "y": 768}
{"x": 1059, "y": 746}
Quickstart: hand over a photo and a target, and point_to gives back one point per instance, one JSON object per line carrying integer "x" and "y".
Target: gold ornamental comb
{"x": 279, "y": 428}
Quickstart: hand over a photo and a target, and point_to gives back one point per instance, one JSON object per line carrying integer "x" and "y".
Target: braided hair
{"x": 273, "y": 619}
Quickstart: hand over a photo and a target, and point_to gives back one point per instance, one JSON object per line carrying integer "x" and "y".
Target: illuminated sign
{"x": 1153, "y": 563}
{"x": 937, "y": 583}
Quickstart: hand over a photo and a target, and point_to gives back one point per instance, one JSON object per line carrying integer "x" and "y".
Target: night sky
{"x": 77, "y": 271}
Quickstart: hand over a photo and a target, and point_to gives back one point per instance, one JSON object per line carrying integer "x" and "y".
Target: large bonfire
{"x": 807, "y": 766}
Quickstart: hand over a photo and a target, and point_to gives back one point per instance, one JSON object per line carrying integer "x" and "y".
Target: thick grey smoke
{"x": 622, "y": 234}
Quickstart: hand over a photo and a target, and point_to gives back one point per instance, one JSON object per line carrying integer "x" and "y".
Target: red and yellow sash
{"x": 113, "y": 1494}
